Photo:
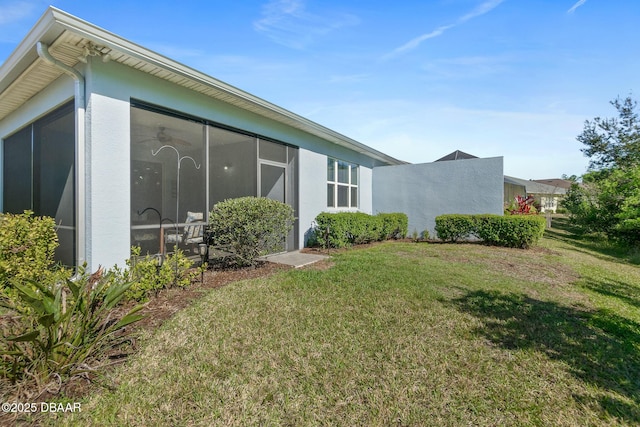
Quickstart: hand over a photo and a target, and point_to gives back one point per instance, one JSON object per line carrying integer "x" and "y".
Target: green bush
{"x": 394, "y": 225}
{"x": 56, "y": 330}
{"x": 252, "y": 226}
{"x": 516, "y": 231}
{"x": 27, "y": 247}
{"x": 147, "y": 275}
{"x": 454, "y": 227}
{"x": 343, "y": 229}
{"x": 628, "y": 231}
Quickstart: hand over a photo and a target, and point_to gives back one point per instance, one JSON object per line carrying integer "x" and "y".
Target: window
{"x": 182, "y": 164}
{"x": 39, "y": 173}
{"x": 167, "y": 175}
{"x": 342, "y": 184}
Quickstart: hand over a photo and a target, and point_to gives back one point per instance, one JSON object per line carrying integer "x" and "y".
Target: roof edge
{"x": 26, "y": 48}
{"x": 105, "y": 38}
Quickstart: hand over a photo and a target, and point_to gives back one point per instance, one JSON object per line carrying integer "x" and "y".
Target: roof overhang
{"x": 24, "y": 74}
{"x": 533, "y": 187}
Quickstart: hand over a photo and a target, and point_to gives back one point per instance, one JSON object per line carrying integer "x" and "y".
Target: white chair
{"x": 192, "y": 233}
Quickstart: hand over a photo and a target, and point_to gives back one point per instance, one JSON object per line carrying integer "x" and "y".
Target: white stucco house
{"x": 547, "y": 197}
{"x": 114, "y": 140}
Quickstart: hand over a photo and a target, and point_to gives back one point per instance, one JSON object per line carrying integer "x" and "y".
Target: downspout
{"x": 80, "y": 106}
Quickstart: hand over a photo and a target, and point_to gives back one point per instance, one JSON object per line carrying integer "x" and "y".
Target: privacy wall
{"x": 424, "y": 191}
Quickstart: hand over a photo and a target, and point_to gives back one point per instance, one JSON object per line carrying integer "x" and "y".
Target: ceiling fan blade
{"x": 181, "y": 142}
{"x": 143, "y": 141}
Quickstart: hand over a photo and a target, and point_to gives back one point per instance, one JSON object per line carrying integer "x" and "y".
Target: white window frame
{"x": 350, "y": 185}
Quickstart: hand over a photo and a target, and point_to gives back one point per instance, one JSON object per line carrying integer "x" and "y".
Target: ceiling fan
{"x": 165, "y": 138}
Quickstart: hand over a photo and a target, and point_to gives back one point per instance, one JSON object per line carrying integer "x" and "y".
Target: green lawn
{"x": 398, "y": 334}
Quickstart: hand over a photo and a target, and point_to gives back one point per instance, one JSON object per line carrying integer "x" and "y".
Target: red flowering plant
{"x": 523, "y": 206}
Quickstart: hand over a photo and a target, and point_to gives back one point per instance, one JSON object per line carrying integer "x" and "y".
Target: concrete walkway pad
{"x": 294, "y": 258}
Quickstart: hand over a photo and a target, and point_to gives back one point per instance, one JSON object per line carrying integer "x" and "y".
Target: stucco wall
{"x": 313, "y": 190}
{"x": 312, "y": 194}
{"x": 121, "y": 82}
{"x": 112, "y": 86}
{"x": 424, "y": 191}
{"x": 108, "y": 181}
{"x": 365, "y": 188}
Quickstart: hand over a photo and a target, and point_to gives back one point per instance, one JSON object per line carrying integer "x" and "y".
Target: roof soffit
{"x": 24, "y": 74}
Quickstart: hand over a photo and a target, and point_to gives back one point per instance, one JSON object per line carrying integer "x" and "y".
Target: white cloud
{"x": 414, "y": 43}
{"x": 481, "y": 9}
{"x": 287, "y": 22}
{"x": 577, "y": 5}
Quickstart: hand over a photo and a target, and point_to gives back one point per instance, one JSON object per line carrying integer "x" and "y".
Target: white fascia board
{"x": 112, "y": 41}
{"x": 54, "y": 21}
{"x": 25, "y": 53}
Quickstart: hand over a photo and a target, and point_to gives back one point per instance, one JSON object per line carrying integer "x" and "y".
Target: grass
{"x": 398, "y": 334}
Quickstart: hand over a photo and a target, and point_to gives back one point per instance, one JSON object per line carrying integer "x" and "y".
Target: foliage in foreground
{"x": 27, "y": 249}
{"x": 52, "y": 326}
{"x": 251, "y": 226}
{"x": 149, "y": 274}
{"x": 513, "y": 231}
{"x": 56, "y": 330}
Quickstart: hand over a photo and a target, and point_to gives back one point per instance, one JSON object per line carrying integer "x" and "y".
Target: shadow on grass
{"x": 600, "y": 347}
{"x": 563, "y": 231}
{"x": 623, "y": 291}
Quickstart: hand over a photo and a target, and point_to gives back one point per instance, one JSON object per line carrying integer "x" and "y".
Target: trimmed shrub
{"x": 251, "y": 226}
{"x": 454, "y": 227}
{"x": 515, "y": 231}
{"x": 343, "y": 229}
{"x": 394, "y": 225}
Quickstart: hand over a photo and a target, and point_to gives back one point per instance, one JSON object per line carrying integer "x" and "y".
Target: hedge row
{"x": 514, "y": 231}
{"x": 338, "y": 230}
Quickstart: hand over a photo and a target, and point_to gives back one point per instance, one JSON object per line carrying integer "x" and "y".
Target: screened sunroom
{"x": 182, "y": 166}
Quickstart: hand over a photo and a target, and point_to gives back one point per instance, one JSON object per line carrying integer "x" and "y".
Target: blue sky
{"x": 415, "y": 79}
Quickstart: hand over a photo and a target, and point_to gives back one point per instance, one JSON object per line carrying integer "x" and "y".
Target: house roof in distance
{"x": 70, "y": 39}
{"x": 556, "y": 182}
{"x": 534, "y": 187}
{"x": 457, "y": 155}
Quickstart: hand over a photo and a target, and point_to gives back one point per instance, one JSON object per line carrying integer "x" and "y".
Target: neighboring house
{"x": 556, "y": 182}
{"x": 457, "y": 155}
{"x": 547, "y": 197}
{"x": 547, "y": 193}
{"x": 116, "y": 142}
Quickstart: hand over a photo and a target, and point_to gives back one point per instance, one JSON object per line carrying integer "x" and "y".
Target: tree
{"x": 608, "y": 200}
{"x": 613, "y": 142}
{"x": 572, "y": 178}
